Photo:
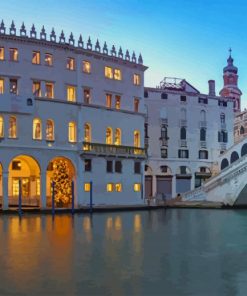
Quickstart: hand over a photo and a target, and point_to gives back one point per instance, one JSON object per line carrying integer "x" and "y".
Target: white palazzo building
{"x": 186, "y": 131}
{"x": 69, "y": 111}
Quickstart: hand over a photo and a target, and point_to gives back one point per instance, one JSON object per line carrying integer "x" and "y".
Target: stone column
{"x": 174, "y": 191}
{"x": 5, "y": 204}
{"x": 154, "y": 185}
{"x": 43, "y": 189}
{"x": 192, "y": 184}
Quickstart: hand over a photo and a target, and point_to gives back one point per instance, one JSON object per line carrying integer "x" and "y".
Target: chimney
{"x": 211, "y": 87}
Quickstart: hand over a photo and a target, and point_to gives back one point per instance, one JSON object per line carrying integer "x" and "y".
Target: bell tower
{"x": 230, "y": 89}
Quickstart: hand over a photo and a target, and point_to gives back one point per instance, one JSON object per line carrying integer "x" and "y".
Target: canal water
{"x": 160, "y": 252}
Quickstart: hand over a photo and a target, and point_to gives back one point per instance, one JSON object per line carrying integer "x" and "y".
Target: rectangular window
{"x": 13, "y": 54}
{"x": 203, "y": 154}
{"x": 222, "y": 103}
{"x": 202, "y": 100}
{"x": 117, "y": 102}
{"x": 36, "y": 58}
{"x": 49, "y": 90}
{"x": 109, "y": 187}
{"x": 109, "y": 166}
{"x": 1, "y": 53}
{"x": 87, "y": 187}
{"x": 87, "y": 95}
{"x": 1, "y": 127}
{"x": 109, "y": 72}
{"x": 86, "y": 67}
{"x": 137, "y": 187}
{"x": 136, "y": 105}
{"x": 182, "y": 98}
{"x": 108, "y": 100}
{"x": 1, "y": 86}
{"x": 137, "y": 167}
{"x": 183, "y": 153}
{"x": 13, "y": 86}
{"x": 70, "y": 64}
{"x": 118, "y": 187}
{"x": 12, "y": 127}
{"x": 72, "y": 132}
{"x": 71, "y": 93}
{"x": 118, "y": 166}
{"x": 117, "y": 74}
{"x": 163, "y": 152}
{"x": 137, "y": 79}
{"x": 16, "y": 165}
{"x": 88, "y": 165}
{"x": 37, "y": 88}
{"x": 48, "y": 59}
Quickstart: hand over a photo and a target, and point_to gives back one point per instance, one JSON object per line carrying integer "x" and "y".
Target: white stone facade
{"x": 59, "y": 101}
{"x": 174, "y": 106}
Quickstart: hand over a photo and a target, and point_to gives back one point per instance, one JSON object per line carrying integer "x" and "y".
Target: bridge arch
{"x": 224, "y": 164}
{"x": 244, "y": 149}
{"x": 234, "y": 156}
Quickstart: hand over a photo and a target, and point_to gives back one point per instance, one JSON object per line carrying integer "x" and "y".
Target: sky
{"x": 187, "y": 39}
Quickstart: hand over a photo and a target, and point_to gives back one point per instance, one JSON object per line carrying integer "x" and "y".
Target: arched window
{"x": 241, "y": 130}
{"x": 72, "y": 132}
{"x": 202, "y": 134}
{"x": 234, "y": 156}
{"x": 183, "y": 133}
{"x": 203, "y": 115}
{"x": 244, "y": 149}
{"x": 49, "y": 130}
{"x": 183, "y": 114}
{"x": 222, "y": 118}
{"x": 224, "y": 163}
{"x": 1, "y": 127}
{"x": 137, "y": 139}
{"x": 12, "y": 127}
{"x": 163, "y": 132}
{"x": 118, "y": 136}
{"x": 108, "y": 137}
{"x": 87, "y": 132}
{"x": 37, "y": 129}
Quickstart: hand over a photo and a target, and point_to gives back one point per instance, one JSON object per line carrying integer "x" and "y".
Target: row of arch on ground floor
{"x": 23, "y": 174}
{"x": 234, "y": 156}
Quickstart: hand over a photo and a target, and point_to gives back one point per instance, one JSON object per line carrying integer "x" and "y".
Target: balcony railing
{"x": 203, "y": 124}
{"x": 182, "y": 143}
{"x": 113, "y": 150}
{"x": 222, "y": 146}
{"x": 183, "y": 122}
{"x": 203, "y": 144}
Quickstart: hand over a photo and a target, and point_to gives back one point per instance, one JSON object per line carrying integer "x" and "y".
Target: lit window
{"x": 49, "y": 130}
{"x": 48, "y": 59}
{"x": 118, "y": 187}
{"x": 1, "y": 127}
{"x": 1, "y": 53}
{"x": 13, "y": 86}
{"x": 137, "y": 187}
{"x": 86, "y": 67}
{"x": 15, "y": 187}
{"x": 109, "y": 72}
{"x": 118, "y": 136}
{"x": 117, "y": 74}
{"x": 49, "y": 90}
{"x": 1, "y": 86}
{"x": 36, "y": 88}
{"x": 87, "y": 187}
{"x": 36, "y": 58}
{"x": 37, "y": 129}
{"x": 70, "y": 64}
{"x": 137, "y": 142}
{"x": 12, "y": 127}
{"x": 87, "y": 132}
{"x": 136, "y": 79}
{"x": 13, "y": 54}
{"x": 117, "y": 102}
{"x": 38, "y": 190}
{"x": 136, "y": 105}
{"x": 109, "y": 187}
{"x": 108, "y": 136}
{"x": 86, "y": 95}
{"x": 72, "y": 132}
{"x": 108, "y": 100}
{"x": 71, "y": 93}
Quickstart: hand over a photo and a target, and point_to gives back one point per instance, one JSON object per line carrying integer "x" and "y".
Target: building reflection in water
{"x": 113, "y": 228}
{"x": 87, "y": 228}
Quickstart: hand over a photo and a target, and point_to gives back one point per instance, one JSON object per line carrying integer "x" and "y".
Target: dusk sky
{"x": 185, "y": 39}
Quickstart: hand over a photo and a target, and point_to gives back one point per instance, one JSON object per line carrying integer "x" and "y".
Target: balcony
{"x": 182, "y": 143}
{"x": 222, "y": 146}
{"x": 203, "y": 144}
{"x": 183, "y": 122}
{"x": 203, "y": 124}
{"x": 112, "y": 150}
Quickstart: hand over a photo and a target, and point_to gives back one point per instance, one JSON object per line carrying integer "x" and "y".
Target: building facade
{"x": 69, "y": 111}
{"x": 185, "y": 133}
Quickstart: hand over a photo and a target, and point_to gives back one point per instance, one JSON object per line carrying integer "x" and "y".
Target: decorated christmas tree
{"x": 63, "y": 179}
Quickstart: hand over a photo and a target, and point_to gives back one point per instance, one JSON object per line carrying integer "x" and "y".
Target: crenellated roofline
{"x": 81, "y": 47}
